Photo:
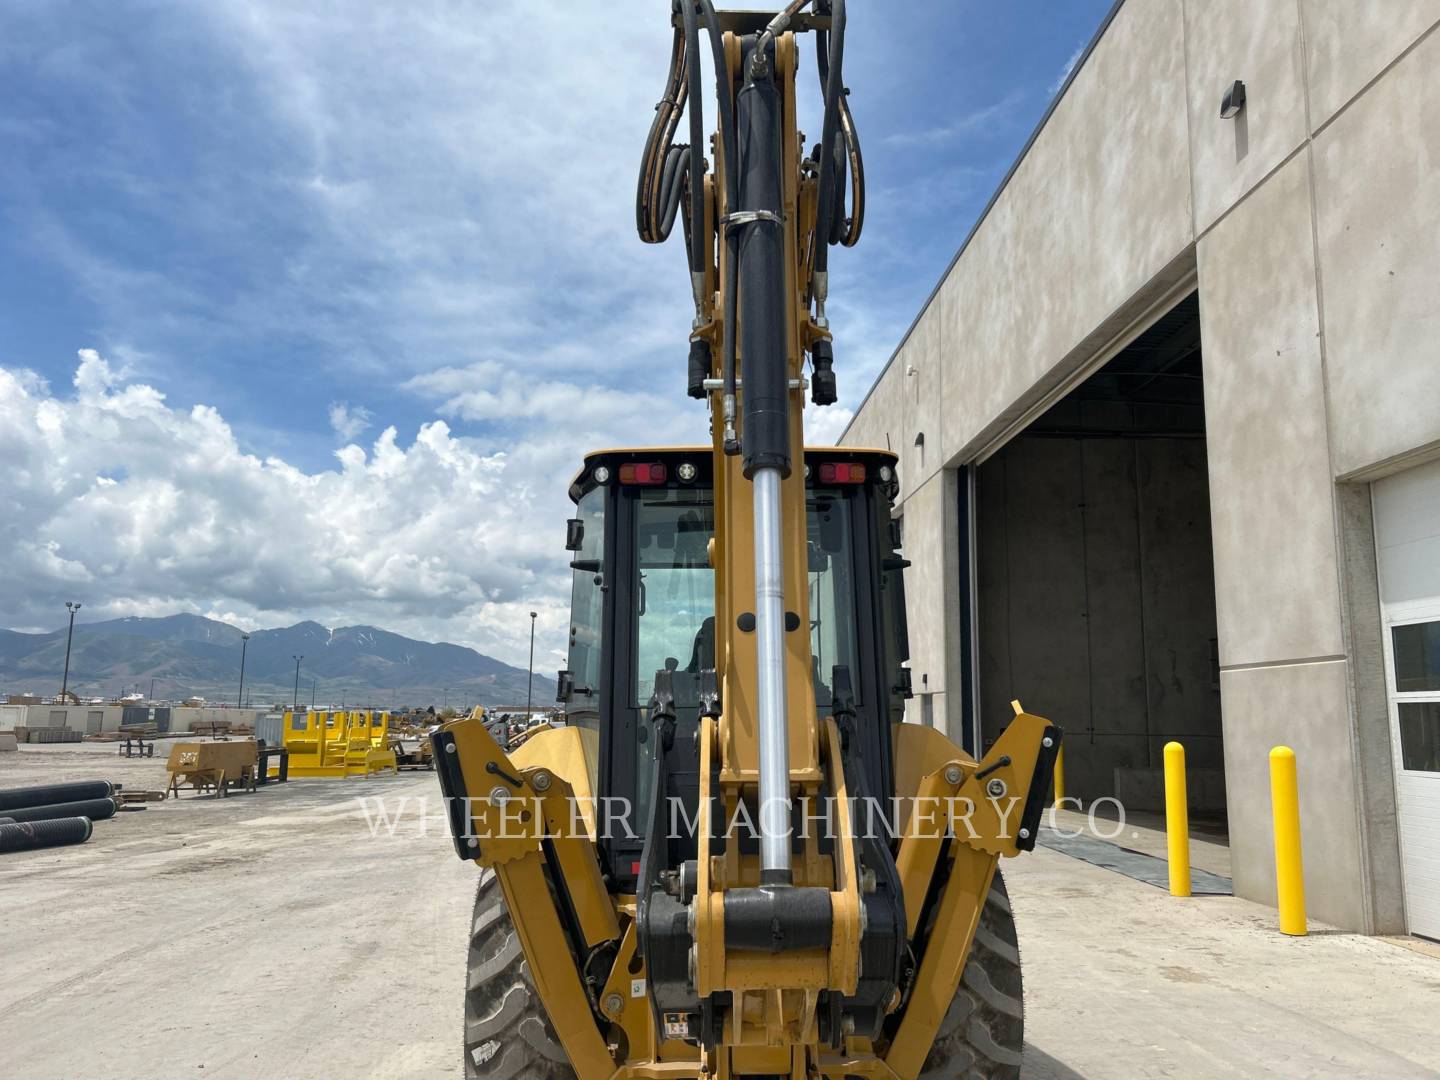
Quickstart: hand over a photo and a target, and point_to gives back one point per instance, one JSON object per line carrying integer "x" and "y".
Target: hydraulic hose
{"x": 831, "y": 69}
{"x": 844, "y": 230}
{"x": 664, "y": 167}
{"x": 731, "y": 158}
{"x": 697, "y": 146}
{"x": 670, "y": 173}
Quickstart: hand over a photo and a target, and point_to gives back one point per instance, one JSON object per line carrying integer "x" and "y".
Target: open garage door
{"x": 1095, "y": 588}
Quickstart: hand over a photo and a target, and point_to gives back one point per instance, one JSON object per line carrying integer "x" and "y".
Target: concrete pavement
{"x": 273, "y": 935}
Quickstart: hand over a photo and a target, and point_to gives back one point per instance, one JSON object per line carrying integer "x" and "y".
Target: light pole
{"x": 72, "y": 607}
{"x": 244, "y": 644}
{"x": 530, "y": 680}
{"x": 312, "y": 692}
{"x": 296, "y": 703}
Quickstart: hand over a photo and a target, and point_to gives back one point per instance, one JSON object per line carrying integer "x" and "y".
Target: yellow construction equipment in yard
{"x": 336, "y": 742}
{"x": 211, "y": 766}
{"x": 735, "y": 859}
{"x": 367, "y": 743}
{"x": 308, "y": 737}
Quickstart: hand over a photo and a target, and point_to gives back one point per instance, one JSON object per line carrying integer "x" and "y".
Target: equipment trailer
{"x": 735, "y": 859}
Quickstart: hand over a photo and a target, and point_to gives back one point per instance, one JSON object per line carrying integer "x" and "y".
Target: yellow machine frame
{"x": 527, "y": 832}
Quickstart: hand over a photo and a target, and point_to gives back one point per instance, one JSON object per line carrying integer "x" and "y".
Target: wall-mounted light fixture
{"x": 1233, "y": 101}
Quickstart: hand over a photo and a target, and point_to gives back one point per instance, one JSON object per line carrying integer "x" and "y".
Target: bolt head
{"x": 953, "y": 774}
{"x": 541, "y": 781}
{"x": 614, "y": 1004}
{"x": 1024, "y": 834}
{"x": 995, "y": 788}
{"x": 1047, "y": 742}
{"x": 499, "y": 796}
{"x": 450, "y": 748}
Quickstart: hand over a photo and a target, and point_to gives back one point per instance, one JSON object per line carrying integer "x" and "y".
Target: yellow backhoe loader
{"x": 735, "y": 859}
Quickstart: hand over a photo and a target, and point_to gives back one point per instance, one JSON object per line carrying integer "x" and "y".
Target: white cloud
{"x": 1068, "y": 68}
{"x": 823, "y": 427}
{"x": 140, "y": 508}
{"x": 348, "y": 421}
{"x": 975, "y": 122}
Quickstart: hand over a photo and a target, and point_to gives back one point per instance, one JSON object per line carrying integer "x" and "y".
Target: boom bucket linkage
{"x": 747, "y": 864}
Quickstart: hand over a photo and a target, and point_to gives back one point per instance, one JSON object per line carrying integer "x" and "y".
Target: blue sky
{"x": 323, "y": 221}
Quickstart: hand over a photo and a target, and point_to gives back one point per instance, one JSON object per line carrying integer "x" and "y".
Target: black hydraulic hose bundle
{"x": 829, "y": 62}
{"x": 94, "y": 809}
{"x": 49, "y": 794}
{"x": 663, "y": 166}
{"x": 670, "y": 174}
{"x": 27, "y": 836}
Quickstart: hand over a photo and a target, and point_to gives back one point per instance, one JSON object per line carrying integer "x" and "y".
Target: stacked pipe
{"x": 52, "y": 815}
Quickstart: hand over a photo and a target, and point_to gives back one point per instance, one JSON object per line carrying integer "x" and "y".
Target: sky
{"x": 310, "y": 309}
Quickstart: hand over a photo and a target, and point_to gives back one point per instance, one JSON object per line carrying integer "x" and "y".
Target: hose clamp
{"x": 749, "y": 217}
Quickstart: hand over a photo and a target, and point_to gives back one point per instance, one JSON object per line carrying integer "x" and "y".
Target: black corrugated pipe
{"x": 48, "y": 794}
{"x": 94, "y": 809}
{"x": 760, "y": 206}
{"x": 43, "y": 834}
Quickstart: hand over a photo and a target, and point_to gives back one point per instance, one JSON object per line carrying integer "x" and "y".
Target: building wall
{"x": 1308, "y": 225}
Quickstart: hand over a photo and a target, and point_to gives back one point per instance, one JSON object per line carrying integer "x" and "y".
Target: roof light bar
{"x": 642, "y": 472}
{"x": 842, "y": 472}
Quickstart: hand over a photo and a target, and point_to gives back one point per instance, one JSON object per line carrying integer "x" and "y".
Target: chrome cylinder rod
{"x": 774, "y": 731}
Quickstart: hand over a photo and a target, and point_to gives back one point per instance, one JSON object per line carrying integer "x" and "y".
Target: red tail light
{"x": 642, "y": 473}
{"x": 842, "y": 472}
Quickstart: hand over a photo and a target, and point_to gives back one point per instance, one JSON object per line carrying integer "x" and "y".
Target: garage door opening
{"x": 1095, "y": 586}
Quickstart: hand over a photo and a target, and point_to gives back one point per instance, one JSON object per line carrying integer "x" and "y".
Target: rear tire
{"x": 509, "y": 1037}
{"x": 507, "y": 1034}
{"x": 983, "y": 1034}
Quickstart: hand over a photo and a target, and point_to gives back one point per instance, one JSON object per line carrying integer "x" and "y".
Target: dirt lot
{"x": 267, "y": 934}
{"x": 273, "y": 935}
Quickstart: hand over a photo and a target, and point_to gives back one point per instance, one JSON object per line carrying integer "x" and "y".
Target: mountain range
{"x": 192, "y": 656}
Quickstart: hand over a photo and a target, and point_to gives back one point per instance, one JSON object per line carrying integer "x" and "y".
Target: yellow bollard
{"x": 1289, "y": 869}
{"x": 1177, "y": 819}
{"x": 1060, "y": 777}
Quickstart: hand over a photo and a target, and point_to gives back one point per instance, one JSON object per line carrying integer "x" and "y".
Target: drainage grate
{"x": 1133, "y": 864}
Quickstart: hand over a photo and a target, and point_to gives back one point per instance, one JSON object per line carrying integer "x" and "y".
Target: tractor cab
{"x": 643, "y": 602}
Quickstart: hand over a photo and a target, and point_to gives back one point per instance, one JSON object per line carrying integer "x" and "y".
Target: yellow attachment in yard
{"x": 313, "y": 750}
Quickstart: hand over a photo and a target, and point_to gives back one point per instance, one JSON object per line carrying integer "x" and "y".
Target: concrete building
{"x": 92, "y": 719}
{"x": 1169, "y": 430}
